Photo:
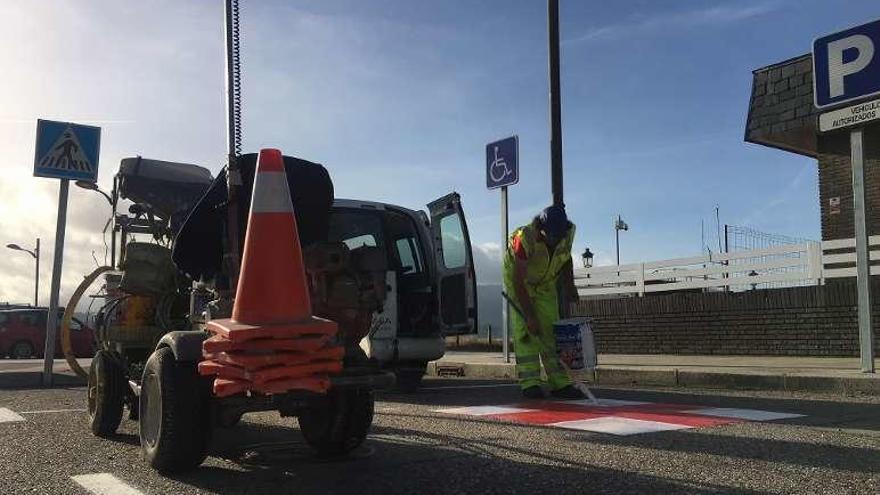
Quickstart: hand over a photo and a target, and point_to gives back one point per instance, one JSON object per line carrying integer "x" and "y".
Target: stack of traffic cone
{"x": 272, "y": 344}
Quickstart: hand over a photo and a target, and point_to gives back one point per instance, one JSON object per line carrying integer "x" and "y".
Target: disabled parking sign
{"x": 502, "y": 163}
{"x": 67, "y": 151}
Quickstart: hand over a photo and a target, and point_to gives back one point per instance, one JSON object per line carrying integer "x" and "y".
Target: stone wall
{"x": 781, "y": 111}
{"x": 797, "y": 321}
{"x": 835, "y": 184}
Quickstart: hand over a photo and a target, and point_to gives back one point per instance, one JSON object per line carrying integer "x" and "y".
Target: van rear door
{"x": 454, "y": 260}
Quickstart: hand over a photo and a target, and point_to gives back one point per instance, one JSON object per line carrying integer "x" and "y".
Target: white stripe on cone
{"x": 105, "y": 484}
{"x": 271, "y": 193}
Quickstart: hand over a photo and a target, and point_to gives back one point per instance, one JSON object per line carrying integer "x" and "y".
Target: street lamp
{"x": 619, "y": 225}
{"x": 93, "y": 186}
{"x": 36, "y": 254}
{"x": 587, "y": 258}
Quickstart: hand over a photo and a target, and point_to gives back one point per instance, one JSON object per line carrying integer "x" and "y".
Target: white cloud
{"x": 487, "y": 263}
{"x": 640, "y": 26}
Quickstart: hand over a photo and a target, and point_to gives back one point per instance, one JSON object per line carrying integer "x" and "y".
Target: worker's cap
{"x": 554, "y": 221}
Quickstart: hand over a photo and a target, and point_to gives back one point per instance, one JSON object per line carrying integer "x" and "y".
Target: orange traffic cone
{"x": 272, "y": 298}
{"x": 272, "y": 343}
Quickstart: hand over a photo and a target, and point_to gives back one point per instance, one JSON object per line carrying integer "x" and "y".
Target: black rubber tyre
{"x": 230, "y": 421}
{"x": 340, "y": 423}
{"x": 21, "y": 350}
{"x": 173, "y": 409}
{"x": 106, "y": 394}
{"x": 409, "y": 376}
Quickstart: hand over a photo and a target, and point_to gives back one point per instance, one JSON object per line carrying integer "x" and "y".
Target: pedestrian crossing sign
{"x": 67, "y": 151}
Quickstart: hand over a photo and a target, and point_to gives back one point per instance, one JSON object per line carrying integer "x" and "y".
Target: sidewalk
{"x": 28, "y": 373}
{"x": 835, "y": 375}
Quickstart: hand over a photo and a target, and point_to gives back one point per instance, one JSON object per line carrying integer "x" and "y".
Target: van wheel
{"x": 21, "y": 350}
{"x": 173, "y": 409}
{"x": 339, "y": 423}
{"x": 106, "y": 394}
{"x": 409, "y": 376}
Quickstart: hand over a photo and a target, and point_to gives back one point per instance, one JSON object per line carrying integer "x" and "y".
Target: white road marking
{"x": 52, "y": 411}
{"x": 9, "y": 416}
{"x": 747, "y": 414}
{"x": 105, "y": 484}
{"x": 463, "y": 387}
{"x": 607, "y": 403}
{"x": 618, "y": 426}
{"x": 484, "y": 410}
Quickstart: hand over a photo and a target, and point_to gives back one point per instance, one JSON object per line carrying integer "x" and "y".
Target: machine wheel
{"x": 21, "y": 350}
{"x": 230, "y": 421}
{"x": 173, "y": 409}
{"x": 340, "y": 423}
{"x": 106, "y": 394}
{"x": 409, "y": 376}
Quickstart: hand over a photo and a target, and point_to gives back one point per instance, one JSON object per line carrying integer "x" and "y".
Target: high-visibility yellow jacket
{"x": 543, "y": 268}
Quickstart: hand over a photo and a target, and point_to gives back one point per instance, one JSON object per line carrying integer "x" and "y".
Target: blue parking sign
{"x": 67, "y": 151}
{"x": 502, "y": 163}
{"x": 846, "y": 65}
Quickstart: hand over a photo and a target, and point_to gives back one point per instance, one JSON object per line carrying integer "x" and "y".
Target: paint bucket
{"x": 574, "y": 343}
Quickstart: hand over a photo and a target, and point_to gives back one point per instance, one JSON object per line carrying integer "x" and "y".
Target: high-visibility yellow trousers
{"x": 534, "y": 350}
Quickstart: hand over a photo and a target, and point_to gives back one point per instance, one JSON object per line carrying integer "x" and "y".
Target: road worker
{"x": 538, "y": 282}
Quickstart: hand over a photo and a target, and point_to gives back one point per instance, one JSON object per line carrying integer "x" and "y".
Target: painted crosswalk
{"x": 617, "y": 417}
{"x": 9, "y": 416}
{"x": 105, "y": 484}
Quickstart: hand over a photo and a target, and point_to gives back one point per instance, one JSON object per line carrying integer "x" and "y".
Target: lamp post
{"x": 587, "y": 258}
{"x": 36, "y": 254}
{"x": 619, "y": 225}
{"x": 92, "y": 186}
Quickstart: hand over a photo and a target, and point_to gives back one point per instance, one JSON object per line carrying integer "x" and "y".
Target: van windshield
{"x": 356, "y": 229}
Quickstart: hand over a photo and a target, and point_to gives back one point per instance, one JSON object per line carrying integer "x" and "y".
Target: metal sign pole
{"x": 37, "y": 274}
{"x": 555, "y": 102}
{"x": 505, "y": 323}
{"x": 52, "y": 315}
{"x": 863, "y": 268}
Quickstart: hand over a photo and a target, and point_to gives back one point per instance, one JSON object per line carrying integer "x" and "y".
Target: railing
{"x": 780, "y": 266}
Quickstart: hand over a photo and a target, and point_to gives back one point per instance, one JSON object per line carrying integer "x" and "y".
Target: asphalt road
{"x": 834, "y": 448}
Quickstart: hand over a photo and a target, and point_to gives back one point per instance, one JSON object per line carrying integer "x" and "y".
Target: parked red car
{"x": 23, "y": 334}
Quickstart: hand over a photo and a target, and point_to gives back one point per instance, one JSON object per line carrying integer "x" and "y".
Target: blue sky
{"x": 654, "y": 94}
{"x": 398, "y": 99}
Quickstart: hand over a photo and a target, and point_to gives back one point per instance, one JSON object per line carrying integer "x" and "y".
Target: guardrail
{"x": 788, "y": 265}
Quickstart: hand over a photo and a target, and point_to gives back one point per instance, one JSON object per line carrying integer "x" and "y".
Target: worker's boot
{"x": 568, "y": 392}
{"x": 533, "y": 392}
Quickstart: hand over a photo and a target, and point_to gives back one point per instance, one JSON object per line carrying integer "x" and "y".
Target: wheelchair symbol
{"x": 498, "y": 170}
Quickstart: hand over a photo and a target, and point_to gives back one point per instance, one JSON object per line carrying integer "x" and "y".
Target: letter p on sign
{"x": 846, "y": 65}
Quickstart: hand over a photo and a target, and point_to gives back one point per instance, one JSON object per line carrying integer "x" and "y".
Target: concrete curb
{"x": 841, "y": 383}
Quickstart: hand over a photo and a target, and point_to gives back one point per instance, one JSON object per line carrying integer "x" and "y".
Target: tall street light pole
{"x": 619, "y": 225}
{"x": 555, "y": 102}
{"x": 36, "y": 254}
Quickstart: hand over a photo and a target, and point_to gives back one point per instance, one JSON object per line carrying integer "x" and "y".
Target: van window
{"x": 356, "y": 228}
{"x": 366, "y": 240}
{"x": 408, "y": 253}
{"x": 454, "y": 247}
